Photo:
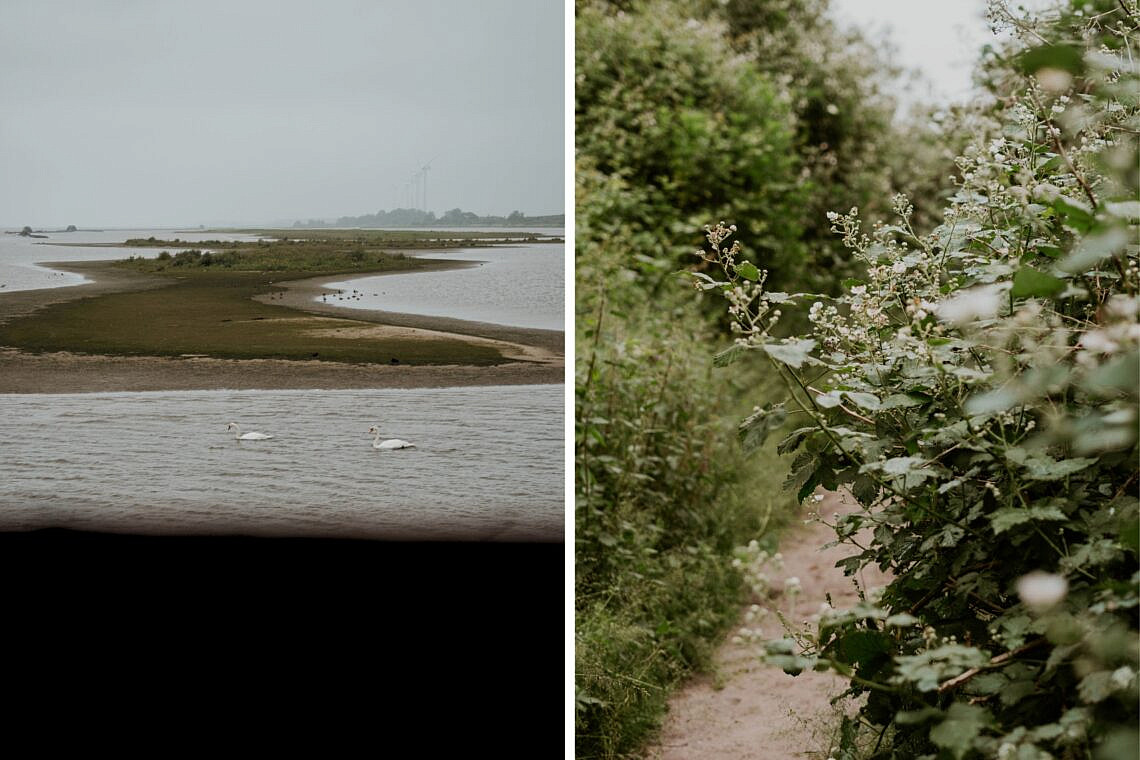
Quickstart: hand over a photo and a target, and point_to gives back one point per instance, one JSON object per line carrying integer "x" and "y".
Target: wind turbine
{"x": 424, "y": 173}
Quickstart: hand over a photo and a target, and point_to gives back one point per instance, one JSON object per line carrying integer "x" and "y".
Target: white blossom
{"x": 1040, "y": 590}
{"x": 965, "y": 306}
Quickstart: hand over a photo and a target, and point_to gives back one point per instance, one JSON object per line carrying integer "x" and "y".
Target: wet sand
{"x": 538, "y": 354}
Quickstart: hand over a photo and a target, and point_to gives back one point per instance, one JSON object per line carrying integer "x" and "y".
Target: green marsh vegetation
{"x": 758, "y": 111}
{"x": 976, "y": 389}
{"x": 204, "y": 305}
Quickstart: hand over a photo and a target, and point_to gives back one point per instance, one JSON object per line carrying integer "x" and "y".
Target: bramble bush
{"x": 976, "y": 392}
{"x": 682, "y": 117}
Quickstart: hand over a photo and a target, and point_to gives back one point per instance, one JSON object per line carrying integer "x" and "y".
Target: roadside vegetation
{"x": 976, "y": 389}
{"x": 757, "y": 111}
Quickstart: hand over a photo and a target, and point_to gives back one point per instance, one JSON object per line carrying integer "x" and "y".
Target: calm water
{"x": 489, "y": 463}
{"x": 19, "y": 255}
{"x": 521, "y": 286}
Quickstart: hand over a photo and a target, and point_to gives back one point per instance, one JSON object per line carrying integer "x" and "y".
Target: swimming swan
{"x": 391, "y": 443}
{"x": 240, "y": 436}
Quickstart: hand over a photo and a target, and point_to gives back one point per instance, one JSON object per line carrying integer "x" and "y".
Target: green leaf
{"x": 1004, "y": 519}
{"x": 794, "y": 353}
{"x": 794, "y": 439}
{"x": 1029, "y": 283}
{"x": 1100, "y": 551}
{"x": 1076, "y": 214}
{"x": 913, "y": 470}
{"x": 992, "y": 401}
{"x": 829, "y": 400}
{"x": 1039, "y": 466}
{"x": 862, "y": 647}
{"x": 1016, "y": 691}
{"x": 813, "y": 480}
{"x": 986, "y": 683}
{"x": 728, "y": 355}
{"x": 900, "y": 400}
{"x": 1047, "y": 469}
{"x": 1064, "y": 57}
{"x": 756, "y": 428}
{"x": 867, "y": 401}
{"x": 865, "y": 490}
{"x": 748, "y": 271}
{"x": 1093, "y": 249}
{"x": 962, "y": 725}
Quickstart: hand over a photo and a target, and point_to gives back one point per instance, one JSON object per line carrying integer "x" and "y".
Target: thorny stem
{"x": 1054, "y": 133}
{"x": 1001, "y": 659}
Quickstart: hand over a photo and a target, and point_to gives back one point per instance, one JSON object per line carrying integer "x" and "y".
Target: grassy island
{"x": 201, "y": 301}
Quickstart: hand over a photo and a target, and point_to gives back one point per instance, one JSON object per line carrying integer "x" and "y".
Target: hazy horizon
{"x": 127, "y": 115}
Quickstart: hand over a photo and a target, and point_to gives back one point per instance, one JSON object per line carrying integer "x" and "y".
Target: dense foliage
{"x": 976, "y": 392}
{"x": 680, "y": 118}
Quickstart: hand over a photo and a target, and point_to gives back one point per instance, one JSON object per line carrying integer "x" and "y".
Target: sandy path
{"x": 747, "y": 710}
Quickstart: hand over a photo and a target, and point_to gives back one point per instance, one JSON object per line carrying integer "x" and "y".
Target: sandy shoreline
{"x": 539, "y": 354}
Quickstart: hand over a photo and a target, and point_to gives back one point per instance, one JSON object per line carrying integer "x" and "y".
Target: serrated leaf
{"x": 1041, "y": 467}
{"x": 1030, "y": 283}
{"x": 728, "y": 356}
{"x": 756, "y": 428}
{"x": 795, "y": 353}
{"x": 1004, "y": 519}
{"x": 793, "y": 440}
{"x": 865, "y": 490}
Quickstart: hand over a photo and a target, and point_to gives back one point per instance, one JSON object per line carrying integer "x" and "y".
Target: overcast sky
{"x": 940, "y": 40}
{"x": 172, "y": 112}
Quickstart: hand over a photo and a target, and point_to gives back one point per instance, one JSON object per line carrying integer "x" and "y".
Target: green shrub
{"x": 978, "y": 394}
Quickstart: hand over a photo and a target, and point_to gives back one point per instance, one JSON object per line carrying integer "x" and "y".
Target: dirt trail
{"x": 748, "y": 710}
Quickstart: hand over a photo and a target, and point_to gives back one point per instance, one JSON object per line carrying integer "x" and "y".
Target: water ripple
{"x": 489, "y": 463}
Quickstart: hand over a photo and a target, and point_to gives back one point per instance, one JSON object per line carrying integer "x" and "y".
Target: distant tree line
{"x": 410, "y": 217}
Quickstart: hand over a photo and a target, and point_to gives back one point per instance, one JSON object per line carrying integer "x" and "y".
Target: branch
{"x": 1001, "y": 659}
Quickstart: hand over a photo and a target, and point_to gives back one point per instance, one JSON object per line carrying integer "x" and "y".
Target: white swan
{"x": 391, "y": 443}
{"x": 240, "y": 436}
